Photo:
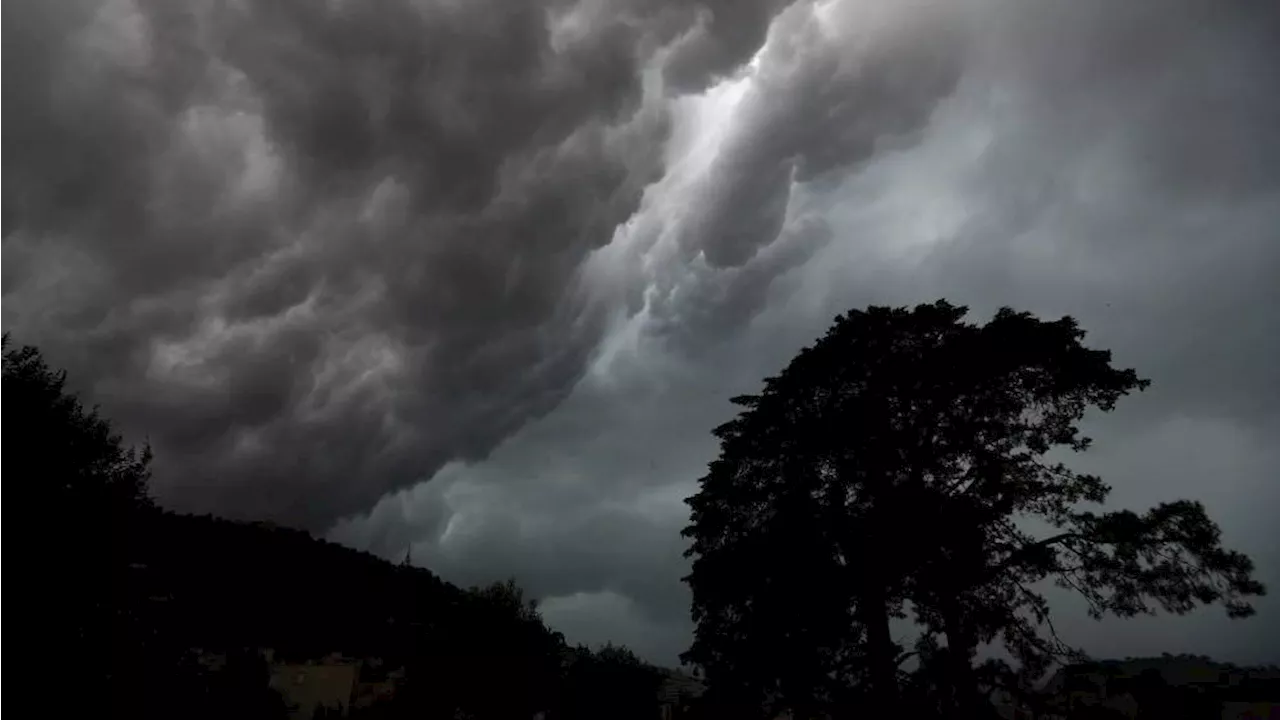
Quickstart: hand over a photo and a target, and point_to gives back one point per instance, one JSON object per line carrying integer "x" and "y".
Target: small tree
{"x": 897, "y": 460}
{"x": 609, "y": 683}
{"x": 491, "y": 657}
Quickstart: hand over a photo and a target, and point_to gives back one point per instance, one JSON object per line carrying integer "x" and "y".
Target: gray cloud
{"x": 321, "y": 252}
{"x": 723, "y": 34}
{"x": 312, "y": 250}
{"x": 827, "y": 93}
{"x": 1056, "y": 170}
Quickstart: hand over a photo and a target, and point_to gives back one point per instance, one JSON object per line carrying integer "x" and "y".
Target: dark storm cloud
{"x": 1110, "y": 162}
{"x": 318, "y": 251}
{"x": 315, "y": 250}
{"x": 724, "y": 34}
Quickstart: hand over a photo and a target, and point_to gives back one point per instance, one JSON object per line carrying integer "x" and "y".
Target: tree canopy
{"x": 64, "y": 465}
{"x": 82, "y": 462}
{"x": 904, "y": 467}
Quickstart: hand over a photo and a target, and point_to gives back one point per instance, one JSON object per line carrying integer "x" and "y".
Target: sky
{"x": 476, "y": 278}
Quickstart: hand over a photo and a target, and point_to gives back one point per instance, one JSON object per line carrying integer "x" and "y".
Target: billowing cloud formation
{"x": 315, "y": 250}
{"x": 1044, "y": 157}
{"x": 478, "y": 278}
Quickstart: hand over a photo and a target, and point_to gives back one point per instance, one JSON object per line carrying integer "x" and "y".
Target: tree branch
{"x": 1022, "y": 552}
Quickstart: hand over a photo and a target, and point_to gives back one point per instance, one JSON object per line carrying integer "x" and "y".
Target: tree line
{"x": 123, "y": 602}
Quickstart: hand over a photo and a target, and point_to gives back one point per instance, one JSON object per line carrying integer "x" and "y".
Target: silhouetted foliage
{"x": 898, "y": 465}
{"x": 154, "y": 614}
{"x": 490, "y": 657}
{"x": 65, "y": 466}
{"x": 81, "y": 463}
{"x": 1172, "y": 686}
{"x": 609, "y": 683}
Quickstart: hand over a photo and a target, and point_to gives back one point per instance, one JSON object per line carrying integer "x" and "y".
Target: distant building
{"x": 331, "y": 684}
{"x": 676, "y": 691}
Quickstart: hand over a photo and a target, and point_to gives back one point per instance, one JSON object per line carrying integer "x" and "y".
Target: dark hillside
{"x": 230, "y": 584}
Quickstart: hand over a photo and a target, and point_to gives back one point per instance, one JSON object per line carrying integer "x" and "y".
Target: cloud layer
{"x": 478, "y": 278}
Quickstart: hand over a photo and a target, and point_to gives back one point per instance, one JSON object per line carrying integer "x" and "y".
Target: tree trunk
{"x": 881, "y": 652}
{"x": 961, "y": 678}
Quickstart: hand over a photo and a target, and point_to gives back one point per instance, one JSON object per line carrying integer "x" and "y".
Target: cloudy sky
{"x": 477, "y": 277}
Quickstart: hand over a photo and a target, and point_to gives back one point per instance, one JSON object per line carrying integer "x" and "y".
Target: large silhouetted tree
{"x": 71, "y": 476}
{"x": 900, "y": 463}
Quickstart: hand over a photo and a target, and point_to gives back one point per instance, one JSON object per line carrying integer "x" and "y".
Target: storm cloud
{"x": 477, "y": 278}
{"x": 316, "y": 250}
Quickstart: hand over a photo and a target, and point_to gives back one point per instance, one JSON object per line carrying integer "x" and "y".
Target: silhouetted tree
{"x": 1012, "y": 391}
{"x": 609, "y": 683}
{"x": 898, "y": 459}
{"x": 77, "y": 460}
{"x": 125, "y": 596}
{"x": 489, "y": 656}
{"x": 240, "y": 688}
{"x": 64, "y": 465}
